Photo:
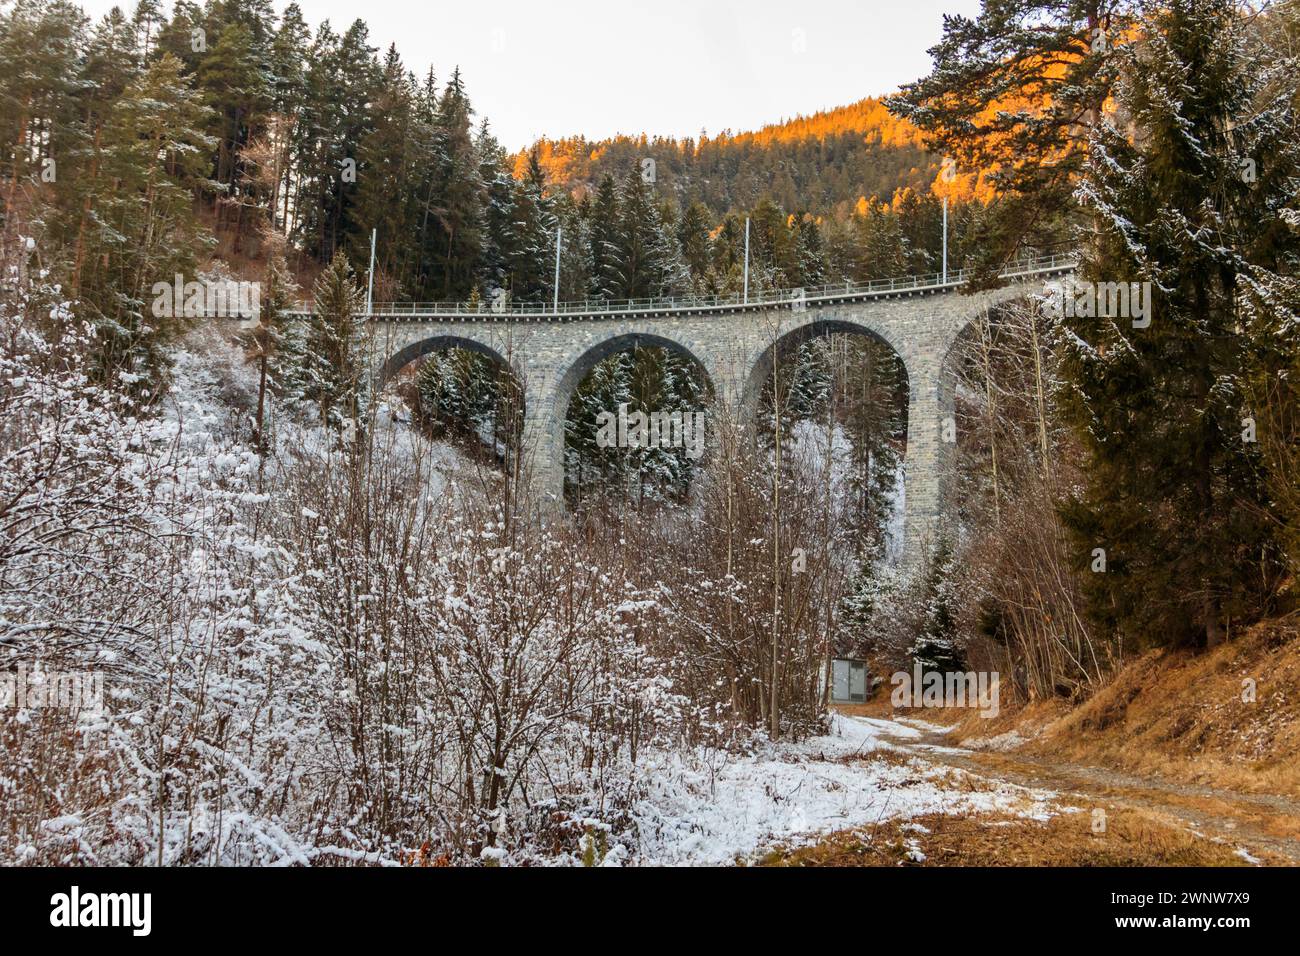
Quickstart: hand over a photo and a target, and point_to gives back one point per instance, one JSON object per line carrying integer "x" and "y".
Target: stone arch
{"x": 435, "y": 343}
{"x": 578, "y": 369}
{"x": 964, "y": 312}
{"x": 917, "y": 453}
{"x": 549, "y": 405}
{"x": 509, "y": 395}
{"x": 760, "y": 366}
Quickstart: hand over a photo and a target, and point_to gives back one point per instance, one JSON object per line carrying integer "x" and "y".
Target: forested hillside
{"x": 822, "y": 163}
{"x": 312, "y": 133}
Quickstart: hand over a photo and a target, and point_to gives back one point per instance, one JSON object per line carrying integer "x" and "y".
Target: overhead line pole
{"x": 555, "y": 300}
{"x": 945, "y": 240}
{"x": 370, "y": 281}
{"x": 746, "y": 260}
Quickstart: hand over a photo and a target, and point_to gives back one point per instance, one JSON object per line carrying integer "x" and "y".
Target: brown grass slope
{"x": 1184, "y": 715}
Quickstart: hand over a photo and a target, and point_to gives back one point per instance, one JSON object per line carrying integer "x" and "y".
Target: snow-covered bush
{"x": 330, "y": 653}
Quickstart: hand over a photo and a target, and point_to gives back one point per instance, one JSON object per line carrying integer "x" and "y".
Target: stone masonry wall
{"x": 735, "y": 350}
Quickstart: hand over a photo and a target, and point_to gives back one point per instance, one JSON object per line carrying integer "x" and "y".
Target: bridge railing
{"x": 682, "y": 303}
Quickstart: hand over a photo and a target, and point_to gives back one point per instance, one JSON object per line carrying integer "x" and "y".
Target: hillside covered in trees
{"x": 314, "y": 134}
{"x": 822, "y": 163}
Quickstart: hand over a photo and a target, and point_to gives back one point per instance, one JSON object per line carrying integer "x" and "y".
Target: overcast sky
{"x": 599, "y": 67}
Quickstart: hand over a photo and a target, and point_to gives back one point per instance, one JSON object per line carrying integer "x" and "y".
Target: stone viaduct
{"x": 552, "y": 350}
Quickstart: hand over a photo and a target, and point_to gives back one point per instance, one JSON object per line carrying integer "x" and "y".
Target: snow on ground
{"x": 1002, "y": 743}
{"x": 211, "y": 378}
{"x": 919, "y": 725}
{"x": 695, "y": 808}
{"x": 695, "y": 813}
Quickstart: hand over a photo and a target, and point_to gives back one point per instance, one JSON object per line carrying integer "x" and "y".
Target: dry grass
{"x": 1169, "y": 746}
{"x": 1181, "y": 715}
{"x": 1131, "y": 838}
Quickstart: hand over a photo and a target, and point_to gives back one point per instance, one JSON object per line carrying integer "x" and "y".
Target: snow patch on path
{"x": 699, "y": 812}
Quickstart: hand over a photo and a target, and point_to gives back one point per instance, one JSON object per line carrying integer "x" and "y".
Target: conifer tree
{"x": 387, "y": 159}
{"x": 644, "y": 261}
{"x": 881, "y": 248}
{"x": 336, "y": 378}
{"x": 277, "y": 341}
{"x": 604, "y": 240}
{"x": 1170, "y": 531}
{"x": 40, "y": 61}
{"x": 693, "y": 239}
{"x": 453, "y": 233}
{"x": 531, "y": 237}
{"x": 155, "y": 157}
{"x": 604, "y": 389}
{"x": 936, "y": 648}
{"x": 1010, "y": 93}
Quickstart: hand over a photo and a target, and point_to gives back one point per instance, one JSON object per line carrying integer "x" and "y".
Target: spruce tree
{"x": 335, "y": 362}
{"x": 936, "y": 647}
{"x": 1170, "y": 529}
{"x": 454, "y": 205}
{"x": 154, "y": 159}
{"x": 387, "y": 158}
{"x": 644, "y": 261}
{"x": 693, "y": 239}
{"x": 531, "y": 237}
{"x": 276, "y": 346}
{"x": 604, "y": 240}
{"x": 881, "y": 248}
{"x": 1010, "y": 92}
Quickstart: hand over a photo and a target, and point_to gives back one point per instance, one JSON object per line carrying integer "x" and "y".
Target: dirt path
{"x": 1261, "y": 824}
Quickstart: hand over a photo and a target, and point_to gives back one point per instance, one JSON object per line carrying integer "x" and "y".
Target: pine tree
{"x": 335, "y": 369}
{"x": 276, "y": 342}
{"x": 177, "y": 37}
{"x": 604, "y": 388}
{"x": 387, "y": 160}
{"x": 920, "y": 221}
{"x": 575, "y": 250}
{"x": 155, "y": 155}
{"x": 604, "y": 240}
{"x": 881, "y": 248}
{"x": 40, "y": 60}
{"x": 693, "y": 239}
{"x": 936, "y": 647}
{"x": 531, "y": 238}
{"x": 643, "y": 262}
{"x": 336, "y": 118}
{"x": 146, "y": 20}
{"x": 234, "y": 76}
{"x": 453, "y": 230}
{"x": 1009, "y": 94}
{"x": 463, "y": 392}
{"x": 810, "y": 382}
{"x": 809, "y": 255}
{"x": 498, "y": 214}
{"x": 109, "y": 69}
{"x": 774, "y": 255}
{"x": 1173, "y": 505}
{"x": 288, "y": 99}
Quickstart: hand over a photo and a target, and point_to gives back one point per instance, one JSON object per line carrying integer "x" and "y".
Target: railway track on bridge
{"x": 841, "y": 293}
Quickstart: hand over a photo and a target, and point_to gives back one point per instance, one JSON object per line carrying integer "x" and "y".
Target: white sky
{"x": 599, "y": 67}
